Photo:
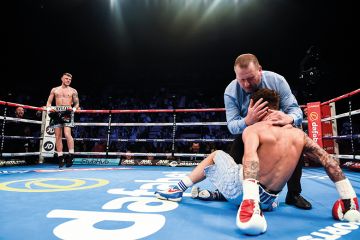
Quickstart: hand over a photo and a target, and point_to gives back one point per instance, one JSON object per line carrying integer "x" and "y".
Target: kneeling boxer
{"x": 270, "y": 157}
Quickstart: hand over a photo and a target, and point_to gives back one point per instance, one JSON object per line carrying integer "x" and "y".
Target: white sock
{"x": 345, "y": 189}
{"x": 251, "y": 189}
{"x": 60, "y": 154}
{"x": 71, "y": 151}
{"x": 185, "y": 183}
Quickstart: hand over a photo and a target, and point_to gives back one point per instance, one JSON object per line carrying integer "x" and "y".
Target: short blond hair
{"x": 67, "y": 74}
{"x": 245, "y": 59}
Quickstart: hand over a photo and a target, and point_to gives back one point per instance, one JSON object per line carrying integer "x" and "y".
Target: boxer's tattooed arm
{"x": 251, "y": 168}
{"x": 251, "y": 158}
{"x": 75, "y": 99}
{"x": 316, "y": 153}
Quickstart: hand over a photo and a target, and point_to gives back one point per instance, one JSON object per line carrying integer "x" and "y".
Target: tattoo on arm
{"x": 51, "y": 97}
{"x": 75, "y": 99}
{"x": 251, "y": 163}
{"x": 251, "y": 168}
{"x": 331, "y": 164}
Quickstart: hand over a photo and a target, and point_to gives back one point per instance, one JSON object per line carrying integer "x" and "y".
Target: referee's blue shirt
{"x": 237, "y": 101}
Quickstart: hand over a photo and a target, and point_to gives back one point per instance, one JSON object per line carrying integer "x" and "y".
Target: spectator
{"x": 19, "y": 129}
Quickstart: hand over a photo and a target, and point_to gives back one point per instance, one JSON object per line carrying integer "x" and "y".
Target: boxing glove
{"x": 250, "y": 219}
{"x": 346, "y": 210}
{"x": 347, "y": 207}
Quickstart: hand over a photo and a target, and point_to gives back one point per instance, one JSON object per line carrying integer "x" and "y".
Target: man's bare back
{"x": 279, "y": 149}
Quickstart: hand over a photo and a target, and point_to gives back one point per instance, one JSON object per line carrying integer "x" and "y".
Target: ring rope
{"x": 148, "y": 154}
{"x": 155, "y": 140}
{"x": 355, "y": 136}
{"x": 347, "y": 95}
{"x": 342, "y": 137}
{"x": 120, "y": 111}
{"x": 21, "y": 120}
{"x": 21, "y": 154}
{"x": 351, "y": 128}
{"x": 354, "y": 112}
{"x": 133, "y": 140}
{"x": 22, "y": 137}
{"x": 337, "y": 98}
{"x": 151, "y": 124}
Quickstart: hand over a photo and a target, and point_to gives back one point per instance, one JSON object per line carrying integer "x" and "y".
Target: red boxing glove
{"x": 346, "y": 210}
{"x": 250, "y": 218}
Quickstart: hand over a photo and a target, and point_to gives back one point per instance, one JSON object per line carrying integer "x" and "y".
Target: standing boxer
{"x": 62, "y": 116}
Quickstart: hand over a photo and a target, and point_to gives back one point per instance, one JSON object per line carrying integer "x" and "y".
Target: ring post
{"x": 109, "y": 130}
{"x": 351, "y": 129}
{"x": 314, "y": 122}
{"x": 334, "y": 127}
{"x": 174, "y": 128}
{"x": 3, "y": 131}
{"x": 47, "y": 143}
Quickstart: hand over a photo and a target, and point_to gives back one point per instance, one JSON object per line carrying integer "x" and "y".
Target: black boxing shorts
{"x": 61, "y": 116}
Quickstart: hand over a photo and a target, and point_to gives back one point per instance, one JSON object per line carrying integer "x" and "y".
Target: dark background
{"x": 143, "y": 45}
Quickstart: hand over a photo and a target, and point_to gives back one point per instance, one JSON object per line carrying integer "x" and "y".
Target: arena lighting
{"x": 198, "y": 14}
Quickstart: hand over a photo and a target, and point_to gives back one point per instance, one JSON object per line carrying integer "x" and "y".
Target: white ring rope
{"x": 21, "y": 120}
{"x": 355, "y": 112}
{"x": 23, "y": 137}
{"x": 347, "y": 156}
{"x": 342, "y": 137}
{"x": 341, "y": 115}
{"x": 147, "y": 154}
{"x": 20, "y": 154}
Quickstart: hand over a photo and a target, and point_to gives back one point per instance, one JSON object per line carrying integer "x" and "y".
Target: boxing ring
{"x": 114, "y": 199}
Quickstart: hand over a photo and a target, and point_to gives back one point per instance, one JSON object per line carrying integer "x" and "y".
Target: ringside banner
{"x": 97, "y": 161}
{"x": 314, "y": 122}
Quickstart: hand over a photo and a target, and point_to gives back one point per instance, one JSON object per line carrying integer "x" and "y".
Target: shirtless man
{"x": 62, "y": 116}
{"x": 270, "y": 157}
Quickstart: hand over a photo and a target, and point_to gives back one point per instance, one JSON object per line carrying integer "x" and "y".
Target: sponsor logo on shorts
{"x": 52, "y": 184}
{"x": 61, "y": 108}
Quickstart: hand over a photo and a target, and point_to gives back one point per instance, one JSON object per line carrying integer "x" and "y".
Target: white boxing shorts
{"x": 227, "y": 176}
